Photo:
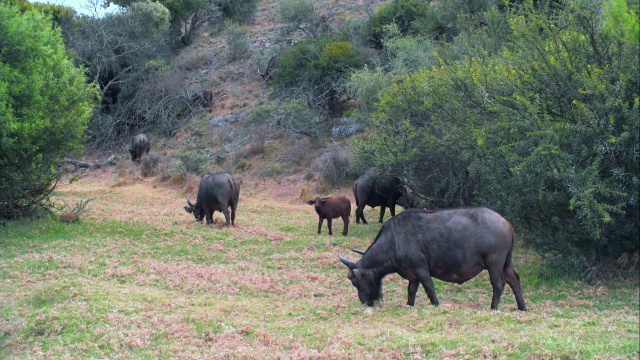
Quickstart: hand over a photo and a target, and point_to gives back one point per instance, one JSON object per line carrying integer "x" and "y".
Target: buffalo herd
{"x": 452, "y": 245}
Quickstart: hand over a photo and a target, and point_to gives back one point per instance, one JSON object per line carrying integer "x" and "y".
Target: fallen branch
{"x": 90, "y": 165}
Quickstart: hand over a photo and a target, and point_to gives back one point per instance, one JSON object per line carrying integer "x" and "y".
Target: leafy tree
{"x": 316, "y": 70}
{"x": 45, "y": 105}
{"x": 188, "y": 16}
{"x": 543, "y": 127}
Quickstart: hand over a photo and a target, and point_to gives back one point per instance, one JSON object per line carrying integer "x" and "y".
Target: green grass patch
{"x": 116, "y": 286}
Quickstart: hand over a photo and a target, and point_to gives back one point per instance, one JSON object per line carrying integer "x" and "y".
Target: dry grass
{"x": 138, "y": 278}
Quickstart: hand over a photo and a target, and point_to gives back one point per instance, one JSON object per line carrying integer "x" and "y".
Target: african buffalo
{"x": 377, "y": 190}
{"x": 330, "y": 208}
{"x": 451, "y": 245}
{"x": 215, "y": 192}
{"x": 207, "y": 99}
{"x": 139, "y": 145}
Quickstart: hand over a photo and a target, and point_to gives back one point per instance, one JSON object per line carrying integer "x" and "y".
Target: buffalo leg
{"x": 413, "y": 289}
{"x": 497, "y": 282}
{"x": 345, "y": 220}
{"x": 360, "y": 213}
{"x": 329, "y": 225}
{"x": 427, "y": 282}
{"x": 320, "y": 220}
{"x": 233, "y": 216}
{"x": 208, "y": 213}
{"x": 392, "y": 210}
{"x": 382, "y": 208}
{"x": 225, "y": 212}
{"x": 513, "y": 279}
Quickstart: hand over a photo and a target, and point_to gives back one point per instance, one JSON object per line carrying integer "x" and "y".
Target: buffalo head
{"x": 197, "y": 211}
{"x": 369, "y": 286}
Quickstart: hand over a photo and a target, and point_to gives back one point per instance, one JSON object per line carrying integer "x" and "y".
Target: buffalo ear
{"x": 310, "y": 202}
{"x": 188, "y": 209}
{"x": 357, "y": 273}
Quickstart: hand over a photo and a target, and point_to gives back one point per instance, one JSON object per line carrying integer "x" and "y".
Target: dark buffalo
{"x": 450, "y": 245}
{"x": 139, "y": 145}
{"x": 273, "y": 62}
{"x": 207, "y": 99}
{"x": 331, "y": 208}
{"x": 216, "y": 192}
{"x": 377, "y": 190}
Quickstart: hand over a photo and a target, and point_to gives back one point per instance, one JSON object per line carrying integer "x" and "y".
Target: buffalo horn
{"x": 350, "y": 264}
{"x": 358, "y": 251}
{"x": 189, "y": 202}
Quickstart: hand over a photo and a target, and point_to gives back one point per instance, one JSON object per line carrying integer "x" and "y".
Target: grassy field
{"x": 138, "y": 278}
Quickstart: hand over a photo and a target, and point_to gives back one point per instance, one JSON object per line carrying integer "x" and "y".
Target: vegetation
{"x": 529, "y": 107}
{"x": 544, "y": 129}
{"x": 45, "y": 105}
{"x": 315, "y": 70}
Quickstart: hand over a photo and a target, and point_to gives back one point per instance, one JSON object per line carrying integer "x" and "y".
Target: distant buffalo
{"x": 331, "y": 208}
{"x": 451, "y": 245}
{"x": 377, "y": 190}
{"x": 139, "y": 145}
{"x": 216, "y": 192}
{"x": 207, "y": 99}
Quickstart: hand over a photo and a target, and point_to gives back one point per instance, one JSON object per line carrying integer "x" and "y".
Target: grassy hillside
{"x": 137, "y": 277}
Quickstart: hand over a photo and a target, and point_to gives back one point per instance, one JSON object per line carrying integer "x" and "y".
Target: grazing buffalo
{"x": 377, "y": 190}
{"x": 273, "y": 62}
{"x": 139, "y": 145}
{"x": 207, "y": 99}
{"x": 451, "y": 245}
{"x": 330, "y": 208}
{"x": 216, "y": 192}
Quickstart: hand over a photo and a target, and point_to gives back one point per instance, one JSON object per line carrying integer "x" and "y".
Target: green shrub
{"x": 237, "y": 43}
{"x": 192, "y": 162}
{"x": 316, "y": 69}
{"x": 45, "y": 105}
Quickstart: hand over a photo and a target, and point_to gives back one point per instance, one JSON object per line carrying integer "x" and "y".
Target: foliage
{"x": 188, "y": 16}
{"x": 316, "y": 69}
{"x": 192, "y": 162}
{"x": 295, "y": 118}
{"x": 409, "y": 16}
{"x": 45, "y": 105}
{"x": 60, "y": 15}
{"x": 71, "y": 214}
{"x": 117, "y": 47}
{"x": 126, "y": 54}
{"x": 237, "y": 44}
{"x": 543, "y": 127}
{"x": 406, "y": 54}
{"x": 366, "y": 85}
{"x": 299, "y": 15}
{"x": 336, "y": 167}
{"x": 238, "y": 10}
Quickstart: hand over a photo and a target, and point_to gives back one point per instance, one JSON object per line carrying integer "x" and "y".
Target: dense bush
{"x": 543, "y": 126}
{"x": 45, "y": 105}
{"x": 192, "y": 162}
{"x": 237, "y": 43}
{"x": 316, "y": 70}
{"x": 410, "y": 17}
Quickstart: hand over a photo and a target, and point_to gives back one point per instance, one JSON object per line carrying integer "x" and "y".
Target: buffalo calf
{"x": 331, "y": 208}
